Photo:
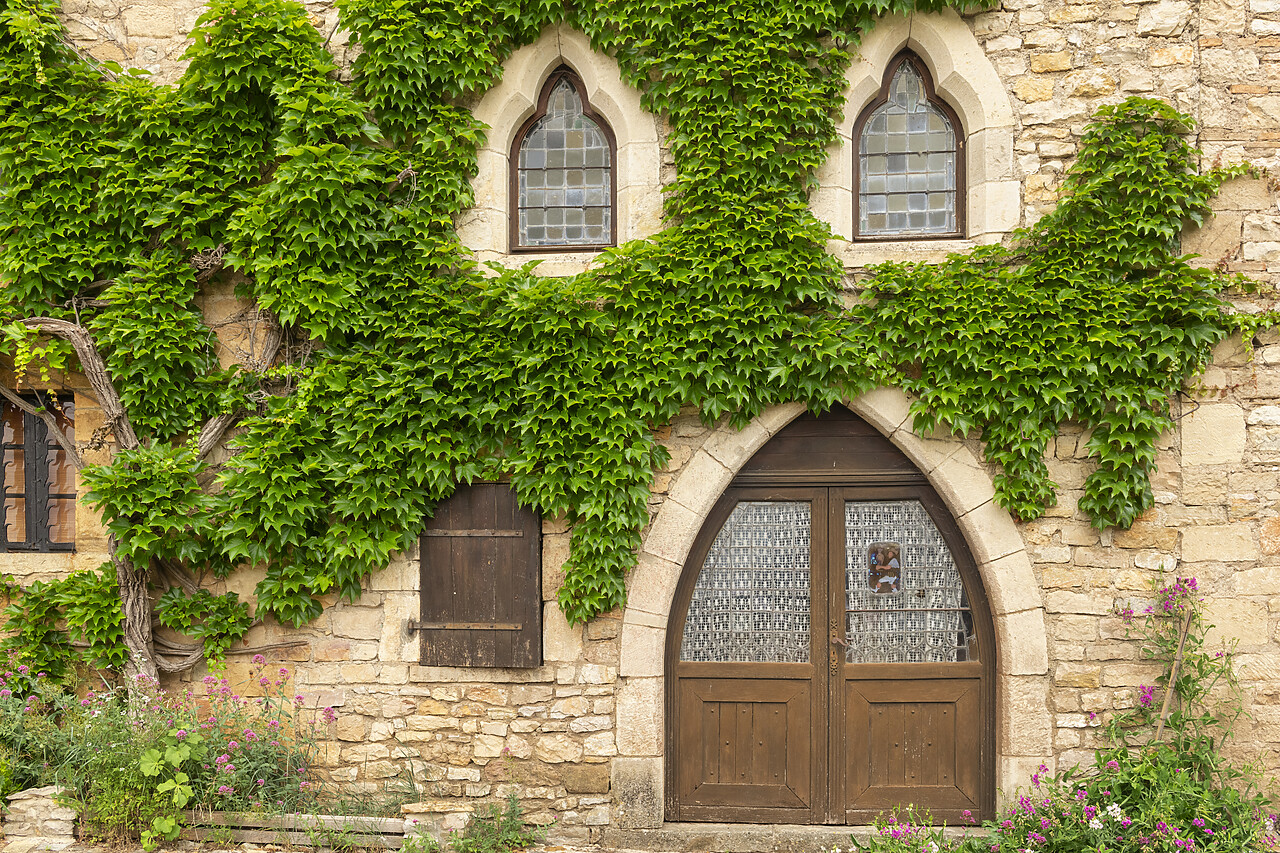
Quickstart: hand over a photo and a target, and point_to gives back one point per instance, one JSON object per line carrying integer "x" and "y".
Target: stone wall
{"x": 555, "y": 732}
{"x": 36, "y": 813}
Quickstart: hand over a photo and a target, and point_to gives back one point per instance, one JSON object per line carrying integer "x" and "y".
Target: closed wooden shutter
{"x": 481, "y": 581}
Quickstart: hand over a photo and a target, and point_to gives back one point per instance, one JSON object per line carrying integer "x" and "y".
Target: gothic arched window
{"x": 562, "y": 181}
{"x": 909, "y": 169}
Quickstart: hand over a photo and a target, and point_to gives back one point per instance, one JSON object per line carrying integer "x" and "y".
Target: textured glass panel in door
{"x": 751, "y": 600}
{"x": 904, "y": 597}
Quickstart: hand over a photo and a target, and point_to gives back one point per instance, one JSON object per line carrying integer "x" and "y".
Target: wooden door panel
{"x": 746, "y": 744}
{"x": 912, "y": 742}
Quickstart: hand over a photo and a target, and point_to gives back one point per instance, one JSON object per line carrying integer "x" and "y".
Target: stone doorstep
{"x": 739, "y": 838}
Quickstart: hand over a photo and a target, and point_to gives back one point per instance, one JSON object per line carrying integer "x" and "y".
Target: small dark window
{"x": 909, "y": 168}
{"x": 481, "y": 590}
{"x": 562, "y": 181}
{"x": 39, "y": 480}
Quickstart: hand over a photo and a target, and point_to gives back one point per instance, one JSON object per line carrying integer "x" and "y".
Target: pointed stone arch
{"x": 509, "y": 104}
{"x": 966, "y": 80}
{"x": 964, "y": 485}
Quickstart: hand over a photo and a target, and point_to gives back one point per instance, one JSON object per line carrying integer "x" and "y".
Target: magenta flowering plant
{"x": 908, "y": 830}
{"x": 1195, "y": 700}
{"x": 1147, "y": 800}
{"x": 261, "y": 747}
{"x": 134, "y": 760}
{"x": 1163, "y": 787}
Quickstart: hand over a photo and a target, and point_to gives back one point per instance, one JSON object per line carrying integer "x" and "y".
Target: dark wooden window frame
{"x": 37, "y": 480}
{"x": 479, "y": 625}
{"x": 563, "y": 73}
{"x": 961, "y": 176}
{"x": 780, "y": 473}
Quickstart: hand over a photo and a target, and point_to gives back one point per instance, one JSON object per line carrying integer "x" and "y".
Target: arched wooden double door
{"x": 830, "y": 653}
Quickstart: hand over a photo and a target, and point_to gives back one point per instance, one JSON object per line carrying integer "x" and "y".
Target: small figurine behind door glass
{"x": 884, "y": 571}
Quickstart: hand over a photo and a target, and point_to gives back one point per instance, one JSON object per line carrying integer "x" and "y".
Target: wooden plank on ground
{"x": 324, "y": 839}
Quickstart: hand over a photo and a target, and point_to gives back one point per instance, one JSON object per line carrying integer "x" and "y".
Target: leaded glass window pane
{"x": 751, "y": 600}
{"x": 565, "y": 177}
{"x": 907, "y": 163}
{"x": 904, "y": 597}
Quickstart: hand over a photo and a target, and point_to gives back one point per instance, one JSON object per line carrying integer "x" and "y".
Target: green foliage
{"x": 1092, "y": 315}
{"x": 416, "y": 371}
{"x": 132, "y": 763}
{"x": 37, "y": 641}
{"x": 163, "y": 765}
{"x": 497, "y": 829}
{"x": 47, "y": 616}
{"x": 216, "y": 620}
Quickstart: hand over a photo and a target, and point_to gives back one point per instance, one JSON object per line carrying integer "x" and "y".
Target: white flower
{"x": 1114, "y": 811}
{"x": 1094, "y": 823}
{"x": 933, "y": 847}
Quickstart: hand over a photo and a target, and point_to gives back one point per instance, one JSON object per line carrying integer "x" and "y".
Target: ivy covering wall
{"x": 335, "y": 205}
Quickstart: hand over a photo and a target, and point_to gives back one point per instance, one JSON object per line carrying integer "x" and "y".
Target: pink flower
{"x": 1146, "y": 695}
{"x": 259, "y": 659}
{"x": 232, "y": 745}
{"x": 330, "y": 715}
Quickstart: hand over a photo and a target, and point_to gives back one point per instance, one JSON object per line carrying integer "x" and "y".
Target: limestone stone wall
{"x": 36, "y": 813}
{"x": 439, "y": 733}
{"x": 581, "y": 738}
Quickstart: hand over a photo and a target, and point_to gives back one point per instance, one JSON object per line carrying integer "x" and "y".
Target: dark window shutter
{"x": 481, "y": 585}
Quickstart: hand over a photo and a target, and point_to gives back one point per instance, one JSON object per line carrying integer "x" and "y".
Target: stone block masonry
{"x": 36, "y": 813}
{"x": 564, "y": 736}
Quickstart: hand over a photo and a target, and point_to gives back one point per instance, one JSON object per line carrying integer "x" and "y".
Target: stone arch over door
{"x": 965, "y": 487}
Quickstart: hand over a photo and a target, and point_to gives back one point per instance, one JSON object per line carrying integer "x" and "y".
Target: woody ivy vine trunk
{"x": 133, "y": 579}
{"x": 404, "y": 370}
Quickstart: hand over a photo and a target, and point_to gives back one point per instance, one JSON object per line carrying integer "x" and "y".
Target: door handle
{"x": 838, "y": 640}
